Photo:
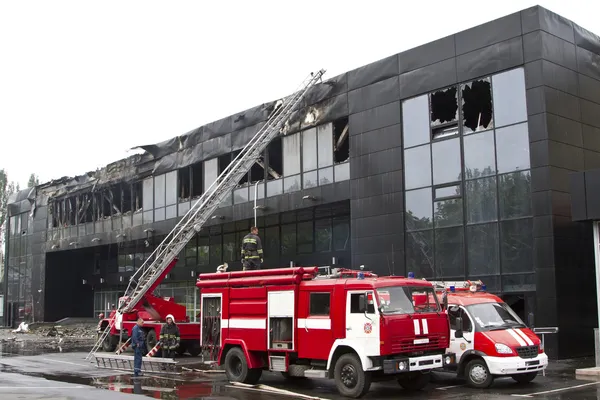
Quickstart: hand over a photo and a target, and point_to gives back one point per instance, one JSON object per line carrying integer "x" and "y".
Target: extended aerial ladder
{"x": 147, "y": 277}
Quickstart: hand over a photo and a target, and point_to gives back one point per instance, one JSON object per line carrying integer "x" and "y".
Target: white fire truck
{"x": 350, "y": 325}
{"x": 487, "y": 337}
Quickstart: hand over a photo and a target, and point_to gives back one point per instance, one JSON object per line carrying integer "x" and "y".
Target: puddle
{"x": 28, "y": 349}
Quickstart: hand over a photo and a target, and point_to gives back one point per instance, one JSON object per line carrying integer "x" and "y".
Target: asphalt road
{"x": 69, "y": 376}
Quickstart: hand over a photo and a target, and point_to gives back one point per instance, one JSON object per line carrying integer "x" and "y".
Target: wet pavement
{"x": 69, "y": 375}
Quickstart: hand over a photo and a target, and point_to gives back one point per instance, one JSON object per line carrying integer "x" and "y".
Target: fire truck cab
{"x": 487, "y": 337}
{"x": 351, "y": 326}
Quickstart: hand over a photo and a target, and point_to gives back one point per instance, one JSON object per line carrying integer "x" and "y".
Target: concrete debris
{"x": 23, "y": 328}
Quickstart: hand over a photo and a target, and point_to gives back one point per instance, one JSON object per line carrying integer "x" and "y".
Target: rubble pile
{"x": 51, "y": 336}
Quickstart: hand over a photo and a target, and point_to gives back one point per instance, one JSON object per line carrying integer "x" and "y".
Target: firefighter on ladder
{"x": 169, "y": 338}
{"x": 252, "y": 252}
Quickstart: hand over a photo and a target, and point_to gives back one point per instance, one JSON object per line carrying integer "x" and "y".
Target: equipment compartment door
{"x": 211, "y": 326}
{"x": 362, "y": 321}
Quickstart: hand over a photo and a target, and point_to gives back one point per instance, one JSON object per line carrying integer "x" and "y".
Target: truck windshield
{"x": 494, "y": 316}
{"x": 407, "y": 300}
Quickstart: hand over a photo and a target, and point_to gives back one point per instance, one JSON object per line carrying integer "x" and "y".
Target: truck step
{"x": 315, "y": 373}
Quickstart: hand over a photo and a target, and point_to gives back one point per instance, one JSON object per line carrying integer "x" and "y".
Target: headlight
{"x": 402, "y": 366}
{"x": 503, "y": 349}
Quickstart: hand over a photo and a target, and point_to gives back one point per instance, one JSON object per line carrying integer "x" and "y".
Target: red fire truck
{"x": 153, "y": 310}
{"x": 348, "y": 325}
{"x": 487, "y": 337}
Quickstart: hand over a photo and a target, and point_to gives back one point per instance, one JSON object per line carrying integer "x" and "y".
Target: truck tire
{"x": 236, "y": 368}
{"x": 110, "y": 343}
{"x": 478, "y": 374}
{"x": 194, "y": 350}
{"x": 151, "y": 341}
{"x": 350, "y": 379}
{"x": 525, "y": 378}
{"x": 414, "y": 381}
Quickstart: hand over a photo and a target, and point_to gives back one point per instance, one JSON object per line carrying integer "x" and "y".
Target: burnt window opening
{"x": 116, "y": 197}
{"x": 105, "y": 204}
{"x": 444, "y": 112}
{"x": 275, "y": 159}
{"x": 477, "y": 105}
{"x": 88, "y": 210}
{"x": 223, "y": 162}
{"x": 246, "y": 178}
{"x": 184, "y": 182}
{"x": 197, "y": 180}
{"x": 72, "y": 210}
{"x": 257, "y": 172}
{"x": 55, "y": 214}
{"x": 127, "y": 197}
{"x": 341, "y": 142}
{"x": 138, "y": 196}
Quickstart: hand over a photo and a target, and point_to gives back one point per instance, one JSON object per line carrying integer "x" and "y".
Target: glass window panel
{"x": 274, "y": 187}
{"x": 415, "y": 121}
{"x": 272, "y": 243}
{"x": 323, "y": 235}
{"x": 305, "y": 237}
{"x": 309, "y": 149}
{"x": 480, "y": 158}
{"x": 288, "y": 240}
{"x": 446, "y": 161}
{"x": 325, "y": 145}
{"x": 510, "y": 105}
{"x": 341, "y": 233}
{"x": 512, "y": 148}
{"x": 159, "y": 191}
{"x": 517, "y": 245}
{"x": 515, "y": 195}
{"x": 291, "y": 183}
{"x": 231, "y": 251}
{"x": 419, "y": 210}
{"x": 260, "y": 190}
{"x": 241, "y": 195}
{"x": 171, "y": 212}
{"x": 171, "y": 187}
{"x": 419, "y": 253}
{"x": 148, "y": 196}
{"x": 291, "y": 154}
{"x": 215, "y": 249}
{"x": 449, "y": 257}
{"x": 203, "y": 251}
{"x": 477, "y": 105}
{"x": 211, "y": 172}
{"x": 483, "y": 254}
{"x": 448, "y": 213}
{"x": 342, "y": 172}
{"x": 184, "y": 208}
{"x": 518, "y": 283}
{"x": 325, "y": 176}
{"x": 447, "y": 191}
{"x": 417, "y": 167}
{"x": 310, "y": 179}
{"x": 159, "y": 214}
{"x": 137, "y": 219}
{"x": 481, "y": 200}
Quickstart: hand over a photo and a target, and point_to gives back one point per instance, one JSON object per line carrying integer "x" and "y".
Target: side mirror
{"x": 444, "y": 301}
{"x": 530, "y": 319}
{"x": 458, "y": 333}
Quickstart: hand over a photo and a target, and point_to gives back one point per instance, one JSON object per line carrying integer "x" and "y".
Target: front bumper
{"x": 516, "y": 365}
{"x": 407, "y": 364}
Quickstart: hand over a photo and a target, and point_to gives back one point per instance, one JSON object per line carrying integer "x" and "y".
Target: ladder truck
{"x": 350, "y": 326}
{"x": 164, "y": 257}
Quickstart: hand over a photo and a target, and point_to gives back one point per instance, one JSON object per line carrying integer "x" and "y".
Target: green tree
{"x": 34, "y": 180}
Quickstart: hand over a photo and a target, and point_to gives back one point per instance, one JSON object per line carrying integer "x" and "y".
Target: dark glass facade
{"x": 450, "y": 160}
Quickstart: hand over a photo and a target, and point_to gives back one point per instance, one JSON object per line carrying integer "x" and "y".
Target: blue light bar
{"x": 483, "y": 287}
{"x": 411, "y": 275}
{"x": 452, "y": 289}
{"x": 360, "y": 275}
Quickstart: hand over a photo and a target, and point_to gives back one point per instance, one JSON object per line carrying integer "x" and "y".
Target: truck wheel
{"x": 236, "y": 368}
{"x": 110, "y": 343}
{"x": 194, "y": 350}
{"x": 350, "y": 379}
{"x": 414, "y": 381}
{"x": 524, "y": 378}
{"x": 151, "y": 341}
{"x": 478, "y": 374}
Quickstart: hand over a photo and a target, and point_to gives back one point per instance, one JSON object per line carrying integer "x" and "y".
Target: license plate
{"x": 421, "y": 341}
{"x": 529, "y": 363}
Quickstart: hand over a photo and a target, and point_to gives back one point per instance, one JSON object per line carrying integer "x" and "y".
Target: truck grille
{"x": 528, "y": 351}
{"x": 407, "y": 345}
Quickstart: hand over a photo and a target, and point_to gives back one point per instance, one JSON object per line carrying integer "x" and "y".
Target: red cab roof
{"x": 467, "y": 298}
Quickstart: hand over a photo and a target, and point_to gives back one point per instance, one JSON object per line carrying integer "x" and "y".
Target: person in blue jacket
{"x": 138, "y": 339}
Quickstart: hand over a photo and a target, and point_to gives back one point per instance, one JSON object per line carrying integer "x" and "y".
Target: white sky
{"x": 83, "y": 81}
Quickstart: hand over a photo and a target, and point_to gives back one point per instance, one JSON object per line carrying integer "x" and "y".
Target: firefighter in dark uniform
{"x": 252, "y": 252}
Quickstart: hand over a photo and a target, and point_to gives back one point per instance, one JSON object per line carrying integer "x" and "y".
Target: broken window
{"x": 275, "y": 159}
{"x": 325, "y": 145}
{"x": 341, "y": 142}
{"x": 106, "y": 204}
{"x": 477, "y": 105}
{"x": 444, "y": 112}
{"x": 72, "y": 210}
{"x": 291, "y": 154}
{"x": 244, "y": 179}
{"x": 224, "y": 162}
{"x": 85, "y": 213}
{"x": 257, "y": 172}
{"x": 196, "y": 171}
{"x": 116, "y": 199}
{"x": 138, "y": 196}
{"x": 184, "y": 182}
{"x": 127, "y": 204}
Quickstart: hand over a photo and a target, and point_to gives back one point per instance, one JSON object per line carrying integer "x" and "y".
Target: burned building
{"x": 450, "y": 160}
